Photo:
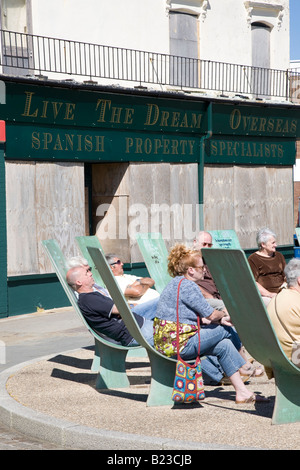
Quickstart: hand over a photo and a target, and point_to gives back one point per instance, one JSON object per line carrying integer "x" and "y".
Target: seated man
{"x": 76, "y": 261}
{"x": 102, "y": 315}
{"x": 207, "y": 285}
{"x": 284, "y": 312}
{"x": 137, "y": 290}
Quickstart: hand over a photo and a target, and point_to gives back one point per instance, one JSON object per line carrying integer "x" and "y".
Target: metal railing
{"x": 25, "y": 54}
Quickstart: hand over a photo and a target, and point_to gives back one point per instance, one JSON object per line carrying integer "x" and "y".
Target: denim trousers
{"x": 148, "y": 311}
{"x": 220, "y": 344}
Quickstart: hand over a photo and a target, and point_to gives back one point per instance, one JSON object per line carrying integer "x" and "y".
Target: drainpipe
{"x": 205, "y": 137}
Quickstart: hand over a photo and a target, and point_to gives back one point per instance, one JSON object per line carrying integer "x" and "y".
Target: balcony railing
{"x": 26, "y": 54}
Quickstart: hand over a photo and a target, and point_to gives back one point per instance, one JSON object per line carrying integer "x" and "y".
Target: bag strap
{"x": 282, "y": 324}
{"x": 177, "y": 329}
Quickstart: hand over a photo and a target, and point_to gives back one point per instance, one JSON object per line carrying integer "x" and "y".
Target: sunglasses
{"x": 207, "y": 244}
{"x": 116, "y": 262}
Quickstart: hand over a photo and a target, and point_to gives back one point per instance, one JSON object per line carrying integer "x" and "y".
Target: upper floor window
{"x": 15, "y": 18}
{"x": 183, "y": 49}
{"x": 260, "y": 79}
{"x": 260, "y": 45}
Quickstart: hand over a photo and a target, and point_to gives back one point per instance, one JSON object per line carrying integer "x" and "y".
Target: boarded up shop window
{"x": 247, "y": 198}
{"x": 143, "y": 197}
{"x": 43, "y": 200}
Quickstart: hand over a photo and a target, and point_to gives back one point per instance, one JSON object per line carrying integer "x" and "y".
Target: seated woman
{"x": 284, "y": 312}
{"x": 219, "y": 341}
{"x": 267, "y": 265}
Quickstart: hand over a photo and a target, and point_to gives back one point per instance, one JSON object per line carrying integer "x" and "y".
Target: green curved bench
{"x": 162, "y": 367}
{"x": 92, "y": 241}
{"x": 235, "y": 281}
{"x": 225, "y": 239}
{"x": 109, "y": 358}
{"x": 155, "y": 254}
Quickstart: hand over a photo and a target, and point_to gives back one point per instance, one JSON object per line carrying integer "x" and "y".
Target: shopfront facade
{"x": 84, "y": 159}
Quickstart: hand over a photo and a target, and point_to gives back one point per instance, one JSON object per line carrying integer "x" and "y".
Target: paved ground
{"x": 10, "y": 440}
{"x": 54, "y": 398}
{"x": 26, "y": 337}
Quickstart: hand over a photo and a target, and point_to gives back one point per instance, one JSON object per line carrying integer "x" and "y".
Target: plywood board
{"x": 22, "y": 255}
{"x": 60, "y": 206}
{"x": 219, "y": 210}
{"x": 44, "y": 200}
{"x": 247, "y": 199}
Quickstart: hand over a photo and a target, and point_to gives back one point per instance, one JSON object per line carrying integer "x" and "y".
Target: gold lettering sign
{"x": 174, "y": 119}
{"x": 113, "y": 114}
{"x": 224, "y": 148}
{"x": 49, "y": 109}
{"x": 159, "y": 146}
{"x": 261, "y": 125}
{"x": 66, "y": 142}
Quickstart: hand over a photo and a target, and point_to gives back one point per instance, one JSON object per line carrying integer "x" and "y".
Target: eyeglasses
{"x": 116, "y": 262}
{"x": 207, "y": 244}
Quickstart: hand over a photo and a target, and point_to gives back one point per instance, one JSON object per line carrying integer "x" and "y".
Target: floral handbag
{"x": 188, "y": 384}
{"x": 165, "y": 334}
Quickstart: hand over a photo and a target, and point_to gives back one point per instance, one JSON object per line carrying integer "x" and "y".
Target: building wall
{"x": 135, "y": 24}
{"x": 296, "y": 202}
{"x": 225, "y": 31}
{"x": 52, "y": 200}
{"x": 224, "y": 27}
{"x": 297, "y": 185}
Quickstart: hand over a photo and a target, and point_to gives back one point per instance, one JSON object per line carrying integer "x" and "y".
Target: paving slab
{"x": 54, "y": 398}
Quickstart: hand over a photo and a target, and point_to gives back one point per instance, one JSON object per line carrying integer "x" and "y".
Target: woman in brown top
{"x": 267, "y": 265}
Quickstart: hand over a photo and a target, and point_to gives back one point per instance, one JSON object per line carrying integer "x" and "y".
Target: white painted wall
{"x": 297, "y": 170}
{"x": 225, "y": 32}
{"x": 133, "y": 24}
{"x": 224, "y": 26}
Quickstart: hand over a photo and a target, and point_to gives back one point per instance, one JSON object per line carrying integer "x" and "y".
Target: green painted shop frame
{"x": 60, "y": 121}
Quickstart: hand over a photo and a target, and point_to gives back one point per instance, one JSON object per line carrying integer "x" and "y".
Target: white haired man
{"x": 102, "y": 314}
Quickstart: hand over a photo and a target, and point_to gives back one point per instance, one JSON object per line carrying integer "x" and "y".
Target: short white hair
{"x": 292, "y": 272}
{"x": 263, "y": 235}
{"x": 77, "y": 261}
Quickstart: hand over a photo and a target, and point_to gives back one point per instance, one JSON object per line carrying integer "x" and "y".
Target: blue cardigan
{"x": 191, "y": 302}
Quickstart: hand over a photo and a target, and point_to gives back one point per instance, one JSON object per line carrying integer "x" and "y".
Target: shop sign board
{"x": 58, "y": 123}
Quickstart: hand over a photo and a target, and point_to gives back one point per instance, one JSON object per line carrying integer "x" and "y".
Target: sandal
{"x": 253, "y": 399}
{"x": 259, "y": 371}
{"x": 226, "y": 380}
{"x": 249, "y": 372}
{"x": 253, "y": 371}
